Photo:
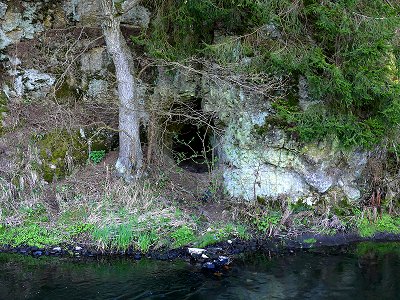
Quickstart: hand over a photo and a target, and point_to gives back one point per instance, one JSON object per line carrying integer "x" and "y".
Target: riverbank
{"x": 94, "y": 213}
{"x": 218, "y": 257}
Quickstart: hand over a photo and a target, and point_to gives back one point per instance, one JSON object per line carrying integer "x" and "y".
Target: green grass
{"x": 182, "y": 236}
{"x": 123, "y": 236}
{"x": 102, "y": 236}
{"x": 219, "y": 234}
{"x": 146, "y": 240}
{"x": 386, "y": 223}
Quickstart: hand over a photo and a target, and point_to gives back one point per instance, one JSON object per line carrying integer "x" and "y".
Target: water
{"x": 367, "y": 272}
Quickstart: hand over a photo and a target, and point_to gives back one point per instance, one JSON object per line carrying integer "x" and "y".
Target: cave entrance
{"x": 192, "y": 136}
{"x": 192, "y": 148}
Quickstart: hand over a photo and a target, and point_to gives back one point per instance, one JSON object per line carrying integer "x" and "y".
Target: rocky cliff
{"x": 56, "y": 75}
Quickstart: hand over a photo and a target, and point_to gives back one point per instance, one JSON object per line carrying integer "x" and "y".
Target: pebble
{"x": 196, "y": 251}
{"x": 223, "y": 260}
{"x": 208, "y": 266}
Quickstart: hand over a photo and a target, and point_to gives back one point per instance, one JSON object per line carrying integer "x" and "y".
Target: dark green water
{"x": 368, "y": 272}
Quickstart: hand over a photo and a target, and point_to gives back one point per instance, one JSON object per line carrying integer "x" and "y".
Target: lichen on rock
{"x": 35, "y": 83}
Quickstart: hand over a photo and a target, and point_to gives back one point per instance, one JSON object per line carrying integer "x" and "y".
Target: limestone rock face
{"x": 138, "y": 16}
{"x": 268, "y": 165}
{"x": 95, "y": 61}
{"x": 33, "y": 82}
{"x": 87, "y": 14}
{"x": 3, "y": 9}
{"x": 272, "y": 165}
{"x": 16, "y": 25}
{"x": 5, "y": 41}
{"x": 97, "y": 87}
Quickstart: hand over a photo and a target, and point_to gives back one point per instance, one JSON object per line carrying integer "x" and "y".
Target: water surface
{"x": 366, "y": 272}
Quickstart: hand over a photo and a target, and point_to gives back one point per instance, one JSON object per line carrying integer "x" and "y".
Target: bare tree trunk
{"x": 130, "y": 151}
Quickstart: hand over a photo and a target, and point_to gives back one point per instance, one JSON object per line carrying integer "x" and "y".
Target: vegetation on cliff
{"x": 348, "y": 51}
{"x": 339, "y": 65}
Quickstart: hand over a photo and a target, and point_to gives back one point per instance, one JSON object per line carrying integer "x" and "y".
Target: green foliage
{"x": 119, "y": 236}
{"x": 310, "y": 241}
{"x": 183, "y": 27}
{"x": 241, "y": 232}
{"x": 79, "y": 228}
{"x": 29, "y": 235}
{"x": 37, "y": 213}
{"x": 207, "y": 239}
{"x": 386, "y": 223}
{"x": 268, "y": 221}
{"x": 182, "y": 236}
{"x": 102, "y": 236}
{"x": 96, "y": 156}
{"x": 123, "y": 236}
{"x": 218, "y": 234}
{"x": 352, "y": 66}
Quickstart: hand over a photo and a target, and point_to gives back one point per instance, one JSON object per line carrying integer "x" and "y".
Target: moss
{"x": 3, "y": 109}
{"x": 384, "y": 224}
{"x": 54, "y": 149}
{"x": 66, "y": 91}
{"x": 58, "y": 146}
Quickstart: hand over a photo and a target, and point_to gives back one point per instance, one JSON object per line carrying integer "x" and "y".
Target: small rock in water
{"x": 37, "y": 253}
{"x": 77, "y": 248}
{"x": 208, "y": 266}
{"x": 223, "y": 260}
{"x": 214, "y": 250}
{"x": 229, "y": 241}
{"x": 57, "y": 249}
{"x": 196, "y": 251}
{"x": 204, "y": 256}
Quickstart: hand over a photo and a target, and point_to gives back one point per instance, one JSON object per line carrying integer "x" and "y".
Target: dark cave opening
{"x": 190, "y": 135}
{"x": 192, "y": 148}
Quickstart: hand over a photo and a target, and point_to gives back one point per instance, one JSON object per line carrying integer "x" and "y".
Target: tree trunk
{"x": 130, "y": 152}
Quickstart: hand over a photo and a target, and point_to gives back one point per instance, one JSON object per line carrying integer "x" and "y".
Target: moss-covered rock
{"x": 60, "y": 149}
